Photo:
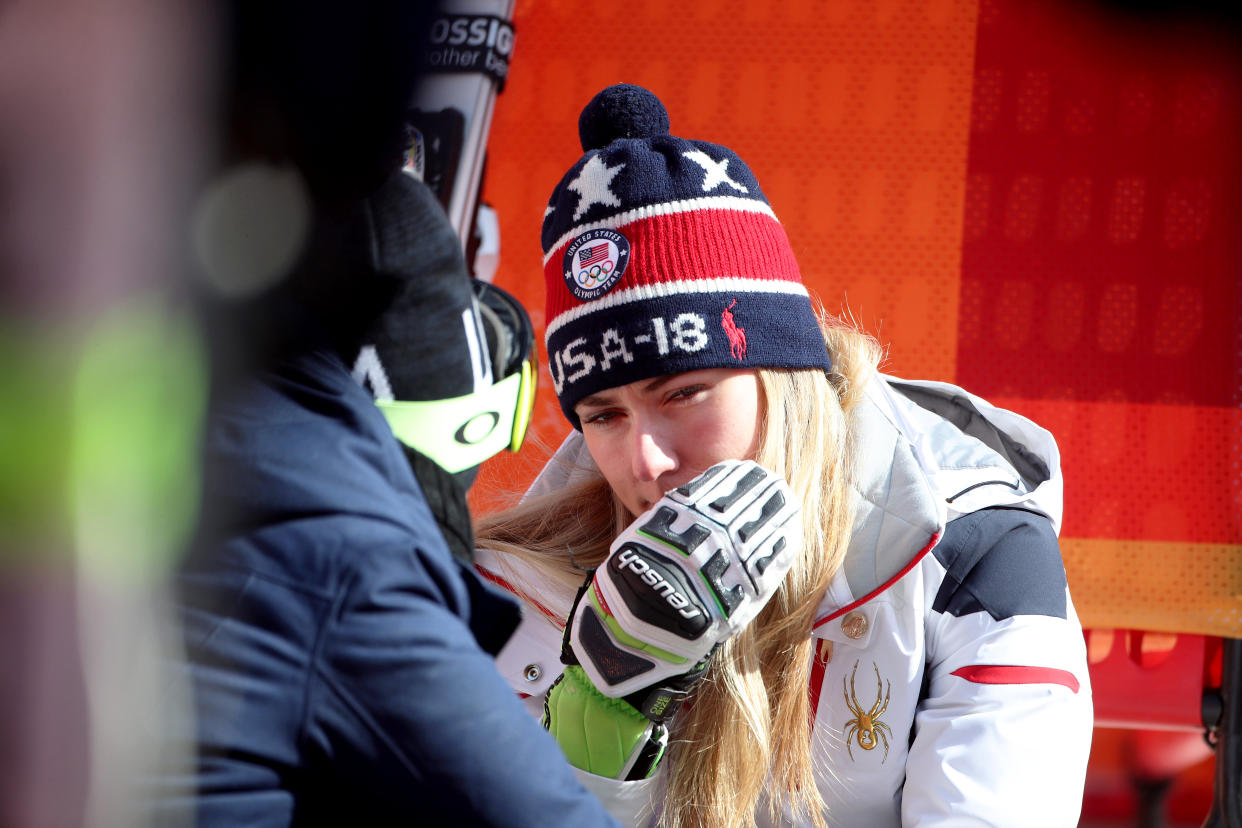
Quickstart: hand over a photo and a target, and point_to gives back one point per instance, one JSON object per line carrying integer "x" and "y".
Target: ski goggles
{"x": 461, "y": 432}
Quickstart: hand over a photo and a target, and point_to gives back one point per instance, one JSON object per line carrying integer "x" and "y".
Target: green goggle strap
{"x": 462, "y": 432}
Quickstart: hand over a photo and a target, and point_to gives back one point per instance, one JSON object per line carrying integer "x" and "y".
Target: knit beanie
{"x": 423, "y": 344}
{"x": 662, "y": 255}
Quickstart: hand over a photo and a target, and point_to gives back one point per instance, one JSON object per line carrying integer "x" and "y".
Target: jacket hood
{"x": 926, "y": 453}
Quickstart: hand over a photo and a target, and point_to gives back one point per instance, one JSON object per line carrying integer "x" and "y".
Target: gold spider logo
{"x": 866, "y": 728}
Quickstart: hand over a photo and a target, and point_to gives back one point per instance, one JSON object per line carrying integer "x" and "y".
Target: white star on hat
{"x": 593, "y": 185}
{"x": 714, "y": 172}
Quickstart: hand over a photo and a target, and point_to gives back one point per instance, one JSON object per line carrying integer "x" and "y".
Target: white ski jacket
{"x": 949, "y": 680}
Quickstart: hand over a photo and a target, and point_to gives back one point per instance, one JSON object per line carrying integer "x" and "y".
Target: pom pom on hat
{"x": 621, "y": 111}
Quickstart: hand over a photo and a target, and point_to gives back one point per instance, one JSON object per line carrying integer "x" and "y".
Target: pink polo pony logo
{"x": 737, "y": 336}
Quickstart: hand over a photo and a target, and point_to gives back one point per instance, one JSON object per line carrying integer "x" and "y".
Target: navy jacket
{"x": 330, "y": 637}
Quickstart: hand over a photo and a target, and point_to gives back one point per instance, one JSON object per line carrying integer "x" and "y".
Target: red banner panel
{"x": 1101, "y": 252}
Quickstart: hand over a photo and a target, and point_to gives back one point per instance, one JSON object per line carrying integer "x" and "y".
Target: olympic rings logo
{"x": 594, "y": 262}
{"x": 596, "y": 275}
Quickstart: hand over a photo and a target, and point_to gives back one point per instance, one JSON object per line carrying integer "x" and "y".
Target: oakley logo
{"x": 631, "y": 560}
{"x": 477, "y": 428}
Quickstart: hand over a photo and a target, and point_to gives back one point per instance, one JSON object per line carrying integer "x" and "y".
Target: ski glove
{"x": 688, "y": 574}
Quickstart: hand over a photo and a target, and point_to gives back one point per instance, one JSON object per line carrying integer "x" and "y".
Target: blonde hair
{"x": 749, "y": 721}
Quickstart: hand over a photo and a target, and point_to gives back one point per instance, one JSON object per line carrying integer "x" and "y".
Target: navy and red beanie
{"x": 662, "y": 255}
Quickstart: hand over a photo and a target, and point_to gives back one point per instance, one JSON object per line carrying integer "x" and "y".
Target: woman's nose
{"x": 653, "y": 456}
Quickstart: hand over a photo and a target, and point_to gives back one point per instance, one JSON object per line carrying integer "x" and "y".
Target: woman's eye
{"x": 686, "y": 392}
{"x": 600, "y": 417}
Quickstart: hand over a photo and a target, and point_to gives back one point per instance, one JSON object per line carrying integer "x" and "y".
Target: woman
{"x": 927, "y": 613}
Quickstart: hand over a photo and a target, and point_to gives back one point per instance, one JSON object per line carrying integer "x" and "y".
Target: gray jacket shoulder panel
{"x": 1004, "y": 562}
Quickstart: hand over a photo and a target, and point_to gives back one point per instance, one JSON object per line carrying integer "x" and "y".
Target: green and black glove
{"x": 688, "y": 574}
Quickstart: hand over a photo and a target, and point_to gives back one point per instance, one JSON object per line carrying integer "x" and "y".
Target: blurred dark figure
{"x": 198, "y": 217}
{"x": 337, "y": 656}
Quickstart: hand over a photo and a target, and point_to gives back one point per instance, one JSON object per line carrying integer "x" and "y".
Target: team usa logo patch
{"x": 595, "y": 262}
